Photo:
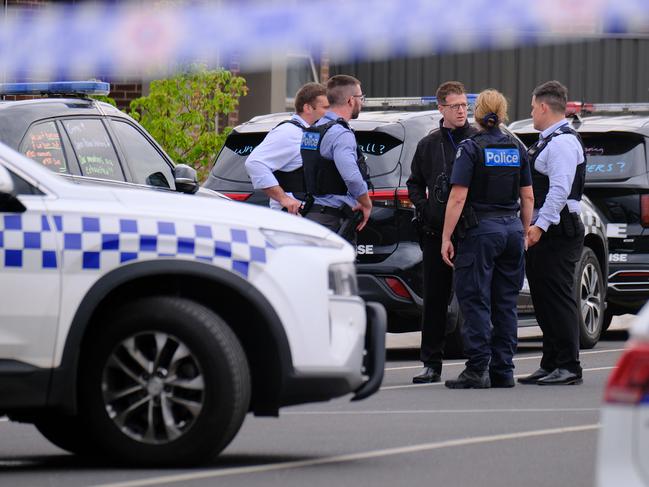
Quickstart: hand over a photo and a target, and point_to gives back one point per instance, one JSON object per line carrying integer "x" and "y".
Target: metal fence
{"x": 597, "y": 70}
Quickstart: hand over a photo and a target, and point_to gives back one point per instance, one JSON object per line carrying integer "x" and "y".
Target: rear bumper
{"x": 628, "y": 286}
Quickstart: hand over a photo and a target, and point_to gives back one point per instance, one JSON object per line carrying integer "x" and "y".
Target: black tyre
{"x": 165, "y": 382}
{"x": 66, "y": 432}
{"x": 589, "y": 288}
{"x": 454, "y": 348}
{"x": 608, "y": 318}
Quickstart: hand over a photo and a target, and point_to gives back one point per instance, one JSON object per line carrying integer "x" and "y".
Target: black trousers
{"x": 550, "y": 266}
{"x": 438, "y": 283}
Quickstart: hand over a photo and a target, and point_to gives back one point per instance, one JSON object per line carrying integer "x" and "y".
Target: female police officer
{"x": 490, "y": 173}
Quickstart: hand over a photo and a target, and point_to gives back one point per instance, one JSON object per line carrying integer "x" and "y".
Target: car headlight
{"x": 282, "y": 239}
{"x": 342, "y": 279}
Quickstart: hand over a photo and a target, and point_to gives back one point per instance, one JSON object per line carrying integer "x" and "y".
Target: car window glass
{"x": 146, "y": 164}
{"x": 42, "y": 143}
{"x": 94, "y": 149}
{"x": 230, "y": 163}
{"x": 382, "y": 152}
{"x": 21, "y": 186}
{"x": 614, "y": 156}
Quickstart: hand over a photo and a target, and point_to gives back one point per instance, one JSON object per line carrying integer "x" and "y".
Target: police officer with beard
{"x": 428, "y": 187}
{"x": 490, "y": 174}
{"x": 335, "y": 172}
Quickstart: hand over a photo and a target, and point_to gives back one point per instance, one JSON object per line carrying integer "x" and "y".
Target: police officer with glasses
{"x": 556, "y": 238}
{"x": 428, "y": 189}
{"x": 334, "y": 168}
{"x": 489, "y": 176}
{"x": 275, "y": 165}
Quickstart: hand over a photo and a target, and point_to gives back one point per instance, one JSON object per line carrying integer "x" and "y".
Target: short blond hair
{"x": 490, "y": 102}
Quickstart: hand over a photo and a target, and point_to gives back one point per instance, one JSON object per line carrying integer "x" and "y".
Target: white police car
{"x": 624, "y": 433}
{"x": 145, "y": 325}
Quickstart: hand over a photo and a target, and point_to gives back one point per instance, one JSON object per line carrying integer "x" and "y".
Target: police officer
{"x": 334, "y": 169}
{"x": 556, "y": 238}
{"x": 490, "y": 173}
{"x": 275, "y": 165}
{"x": 428, "y": 188}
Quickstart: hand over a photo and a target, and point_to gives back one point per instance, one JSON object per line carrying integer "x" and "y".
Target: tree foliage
{"x": 182, "y": 113}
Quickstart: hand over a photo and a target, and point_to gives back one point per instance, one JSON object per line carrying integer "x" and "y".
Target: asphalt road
{"x": 404, "y": 435}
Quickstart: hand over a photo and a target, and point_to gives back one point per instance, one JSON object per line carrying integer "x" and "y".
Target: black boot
{"x": 470, "y": 379}
{"x": 426, "y": 376}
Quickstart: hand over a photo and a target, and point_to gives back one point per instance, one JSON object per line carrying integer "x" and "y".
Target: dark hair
{"x": 308, "y": 94}
{"x": 338, "y": 88}
{"x": 553, "y": 94}
{"x": 449, "y": 88}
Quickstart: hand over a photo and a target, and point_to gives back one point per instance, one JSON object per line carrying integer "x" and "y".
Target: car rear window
{"x": 614, "y": 156}
{"x": 610, "y": 156}
{"x": 382, "y": 151}
{"x": 42, "y": 143}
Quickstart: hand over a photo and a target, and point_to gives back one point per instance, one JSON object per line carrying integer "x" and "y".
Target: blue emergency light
{"x": 71, "y": 88}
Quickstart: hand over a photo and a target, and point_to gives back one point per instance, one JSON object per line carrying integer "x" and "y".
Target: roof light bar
{"x": 84, "y": 88}
{"x": 577, "y": 107}
{"x": 408, "y": 101}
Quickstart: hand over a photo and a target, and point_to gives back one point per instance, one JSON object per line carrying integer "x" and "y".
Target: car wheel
{"x": 165, "y": 382}
{"x": 589, "y": 286}
{"x": 66, "y": 432}
{"x": 454, "y": 348}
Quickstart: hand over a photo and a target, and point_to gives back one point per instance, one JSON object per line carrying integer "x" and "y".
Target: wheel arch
{"x": 600, "y": 249}
{"x": 241, "y": 305}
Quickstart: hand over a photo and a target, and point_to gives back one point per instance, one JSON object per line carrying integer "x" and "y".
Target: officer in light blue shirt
{"x": 335, "y": 171}
{"x": 275, "y": 165}
{"x": 556, "y": 237}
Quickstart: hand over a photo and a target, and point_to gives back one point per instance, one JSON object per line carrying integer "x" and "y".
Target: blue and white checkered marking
{"x": 89, "y": 243}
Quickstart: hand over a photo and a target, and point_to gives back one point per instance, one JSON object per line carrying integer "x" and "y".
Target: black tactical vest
{"x": 496, "y": 173}
{"x": 291, "y": 181}
{"x": 541, "y": 182}
{"x": 320, "y": 174}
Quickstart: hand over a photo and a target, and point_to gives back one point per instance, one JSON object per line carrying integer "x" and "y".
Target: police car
{"x": 624, "y": 433}
{"x": 616, "y": 137}
{"x": 87, "y": 141}
{"x": 144, "y": 325}
{"x": 389, "y": 260}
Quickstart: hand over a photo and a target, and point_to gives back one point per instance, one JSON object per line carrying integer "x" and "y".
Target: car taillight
{"x": 644, "y": 210}
{"x": 390, "y": 198}
{"x": 238, "y": 196}
{"x": 397, "y": 287}
{"x": 629, "y": 382}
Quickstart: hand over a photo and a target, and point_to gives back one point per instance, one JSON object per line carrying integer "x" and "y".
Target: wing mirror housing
{"x": 186, "y": 179}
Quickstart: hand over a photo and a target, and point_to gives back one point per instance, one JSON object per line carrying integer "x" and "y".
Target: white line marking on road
{"x": 413, "y": 386}
{"x": 535, "y": 357}
{"x": 352, "y": 457}
{"x": 446, "y": 411}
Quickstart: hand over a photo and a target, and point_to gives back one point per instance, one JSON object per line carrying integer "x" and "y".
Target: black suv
{"x": 616, "y": 137}
{"x": 389, "y": 260}
{"x": 86, "y": 140}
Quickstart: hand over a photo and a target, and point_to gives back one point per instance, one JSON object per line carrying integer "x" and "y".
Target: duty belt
{"x": 328, "y": 210}
{"x": 495, "y": 214}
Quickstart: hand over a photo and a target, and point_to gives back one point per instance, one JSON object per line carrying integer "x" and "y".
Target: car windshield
{"x": 382, "y": 151}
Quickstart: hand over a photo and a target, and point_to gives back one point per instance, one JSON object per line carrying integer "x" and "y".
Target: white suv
{"x": 145, "y": 325}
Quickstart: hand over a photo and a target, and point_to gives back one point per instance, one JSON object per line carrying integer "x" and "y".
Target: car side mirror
{"x": 8, "y": 201}
{"x": 186, "y": 179}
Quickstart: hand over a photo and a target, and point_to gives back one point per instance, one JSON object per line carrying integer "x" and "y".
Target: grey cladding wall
{"x": 602, "y": 70}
